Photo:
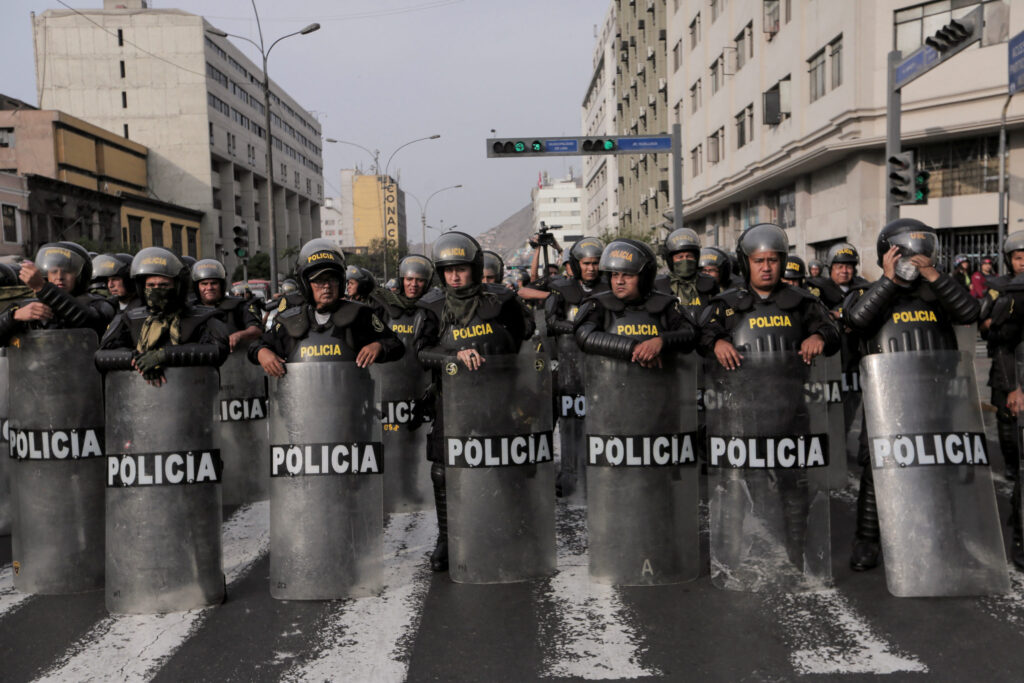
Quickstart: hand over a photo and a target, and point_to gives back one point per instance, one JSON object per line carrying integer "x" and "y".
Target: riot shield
{"x": 5, "y": 452}
{"x": 326, "y": 493}
{"x": 240, "y": 430}
{"x": 767, "y": 475}
{"x": 56, "y": 442}
{"x": 401, "y": 383}
{"x": 967, "y": 338}
{"x": 571, "y": 411}
{"x": 930, "y": 460}
{"x": 824, "y": 385}
{"x": 499, "y": 469}
{"x": 643, "y": 495}
{"x": 163, "y": 493}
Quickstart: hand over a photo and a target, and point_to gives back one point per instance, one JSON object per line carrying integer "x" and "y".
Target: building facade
{"x": 14, "y": 214}
{"x": 601, "y": 172}
{"x": 556, "y": 203}
{"x": 197, "y": 102}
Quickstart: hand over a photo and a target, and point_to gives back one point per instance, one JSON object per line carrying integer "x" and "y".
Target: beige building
{"x": 371, "y": 207}
{"x": 197, "y": 102}
{"x": 783, "y": 107}
{"x": 600, "y": 106}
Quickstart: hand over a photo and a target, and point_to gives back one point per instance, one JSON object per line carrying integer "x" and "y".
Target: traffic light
{"x": 952, "y": 34}
{"x": 921, "y": 186}
{"x": 241, "y": 242}
{"x": 598, "y": 145}
{"x": 901, "y": 180}
{"x": 514, "y": 147}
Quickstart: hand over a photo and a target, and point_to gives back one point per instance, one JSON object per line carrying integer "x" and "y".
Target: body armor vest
{"x": 319, "y": 345}
{"x": 767, "y": 327}
{"x": 635, "y": 322}
{"x": 402, "y": 326}
{"x": 913, "y": 324}
{"x": 489, "y": 335}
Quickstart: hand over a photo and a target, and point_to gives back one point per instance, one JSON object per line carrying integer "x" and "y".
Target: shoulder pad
{"x": 659, "y": 301}
{"x": 349, "y": 311}
{"x": 501, "y": 291}
{"x": 608, "y": 301}
{"x": 294, "y": 320}
{"x": 859, "y": 283}
{"x": 706, "y": 284}
{"x": 230, "y": 303}
{"x": 137, "y": 313}
{"x": 663, "y": 282}
{"x": 1014, "y": 284}
{"x": 433, "y": 295}
{"x": 790, "y": 297}
{"x": 738, "y": 299}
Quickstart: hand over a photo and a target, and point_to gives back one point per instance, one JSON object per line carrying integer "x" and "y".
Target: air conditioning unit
{"x": 652, "y": 100}
{"x": 650, "y": 52}
{"x": 662, "y": 85}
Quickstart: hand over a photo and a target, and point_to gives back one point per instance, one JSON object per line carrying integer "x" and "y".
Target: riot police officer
{"x": 359, "y": 283}
{"x": 691, "y": 287}
{"x": 716, "y": 263}
{"x": 912, "y": 307}
{"x": 113, "y": 271}
{"x": 795, "y": 271}
{"x": 494, "y": 268}
{"x": 842, "y": 277}
{"x": 814, "y": 268}
{"x": 415, "y": 273}
{"x": 468, "y": 319}
{"x": 167, "y": 331}
{"x": 59, "y": 280}
{"x": 241, "y": 317}
{"x": 324, "y": 327}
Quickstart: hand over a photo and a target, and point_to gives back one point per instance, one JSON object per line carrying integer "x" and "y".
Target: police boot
{"x": 439, "y": 558}
{"x": 866, "y": 545}
{"x": 795, "y": 507}
{"x": 1008, "y": 446}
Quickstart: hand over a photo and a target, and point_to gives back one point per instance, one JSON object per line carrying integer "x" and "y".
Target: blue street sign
{"x": 916, "y": 64}
{"x": 1016, "y": 62}
{"x": 660, "y": 143}
{"x": 568, "y": 145}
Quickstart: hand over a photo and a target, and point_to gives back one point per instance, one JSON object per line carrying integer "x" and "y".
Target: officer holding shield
{"x": 240, "y": 315}
{"x": 691, "y": 287}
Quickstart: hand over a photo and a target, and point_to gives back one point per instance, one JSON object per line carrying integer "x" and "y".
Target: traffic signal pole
{"x": 893, "y": 107}
{"x": 677, "y": 177}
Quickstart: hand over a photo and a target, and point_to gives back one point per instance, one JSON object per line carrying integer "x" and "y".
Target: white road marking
{"x": 588, "y": 634}
{"x": 1008, "y": 608}
{"x": 370, "y": 639}
{"x": 134, "y": 647}
{"x": 9, "y": 598}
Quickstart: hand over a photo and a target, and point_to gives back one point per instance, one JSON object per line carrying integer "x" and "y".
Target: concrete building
{"x": 158, "y": 77}
{"x": 376, "y": 207}
{"x": 336, "y": 223}
{"x": 14, "y": 215}
{"x": 601, "y": 172}
{"x": 783, "y": 106}
{"x": 556, "y": 203}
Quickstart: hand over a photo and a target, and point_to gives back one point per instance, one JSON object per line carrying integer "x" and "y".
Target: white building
{"x": 157, "y": 76}
{"x": 783, "y": 107}
{"x": 557, "y": 205}
{"x": 601, "y": 172}
{"x": 336, "y": 223}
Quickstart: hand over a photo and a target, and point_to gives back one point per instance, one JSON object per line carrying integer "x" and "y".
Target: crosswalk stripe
{"x": 365, "y": 639}
{"x": 134, "y": 647}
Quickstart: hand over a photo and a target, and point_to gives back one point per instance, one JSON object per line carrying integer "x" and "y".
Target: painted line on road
{"x": 588, "y": 633}
{"x": 134, "y": 647}
{"x": 1008, "y": 608}
{"x": 10, "y": 599}
{"x": 370, "y": 639}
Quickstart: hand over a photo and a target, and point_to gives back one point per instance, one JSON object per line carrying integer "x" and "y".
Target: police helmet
{"x": 1013, "y": 242}
{"x": 566, "y": 254}
{"x": 209, "y": 269}
{"x": 715, "y": 257}
{"x": 494, "y": 262}
{"x": 795, "y": 268}
{"x": 240, "y": 289}
{"x": 761, "y": 237}
{"x": 633, "y": 257}
{"x": 9, "y": 275}
{"x": 911, "y": 236}
{"x": 364, "y": 279}
{"x": 842, "y": 252}
{"x": 313, "y": 246}
{"x": 189, "y": 261}
{"x": 588, "y": 247}
{"x": 289, "y": 286}
{"x": 683, "y": 239}
{"x": 69, "y": 257}
{"x": 416, "y": 265}
{"x": 318, "y": 256}
{"x": 160, "y": 261}
{"x": 458, "y": 248}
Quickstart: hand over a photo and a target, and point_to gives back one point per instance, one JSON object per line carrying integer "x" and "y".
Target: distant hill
{"x": 507, "y": 238}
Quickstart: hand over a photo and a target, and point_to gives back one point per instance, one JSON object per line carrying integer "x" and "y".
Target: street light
{"x": 265, "y": 53}
{"x": 423, "y": 209}
{"x": 373, "y": 153}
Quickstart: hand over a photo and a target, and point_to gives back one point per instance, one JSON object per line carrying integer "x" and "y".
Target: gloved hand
{"x": 151, "y": 362}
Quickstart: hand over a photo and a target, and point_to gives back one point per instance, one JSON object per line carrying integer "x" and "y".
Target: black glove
{"x": 151, "y": 362}
{"x": 424, "y": 408}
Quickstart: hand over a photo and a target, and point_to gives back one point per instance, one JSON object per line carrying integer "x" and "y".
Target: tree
{"x": 373, "y": 259}
{"x": 259, "y": 267}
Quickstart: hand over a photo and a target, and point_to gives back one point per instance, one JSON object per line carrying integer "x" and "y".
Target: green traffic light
{"x": 608, "y": 145}
{"x": 537, "y": 146}
{"x": 520, "y": 147}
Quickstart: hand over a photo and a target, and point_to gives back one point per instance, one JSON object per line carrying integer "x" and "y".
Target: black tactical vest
{"x": 320, "y": 346}
{"x": 635, "y": 322}
{"x": 402, "y": 325}
{"x": 765, "y": 326}
{"x": 478, "y": 333}
{"x": 914, "y": 324}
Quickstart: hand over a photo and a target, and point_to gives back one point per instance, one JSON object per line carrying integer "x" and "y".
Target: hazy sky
{"x": 382, "y": 72}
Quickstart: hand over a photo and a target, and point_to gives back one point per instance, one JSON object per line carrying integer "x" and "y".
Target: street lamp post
{"x": 423, "y": 210}
{"x": 265, "y": 53}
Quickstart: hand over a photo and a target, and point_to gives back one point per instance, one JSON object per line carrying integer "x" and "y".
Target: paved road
{"x": 425, "y": 628}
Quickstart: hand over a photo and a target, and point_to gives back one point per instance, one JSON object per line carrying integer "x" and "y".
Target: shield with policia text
{"x": 643, "y": 498}
{"x": 929, "y": 456}
{"x": 5, "y": 460}
{"x": 499, "y": 469}
{"x": 56, "y": 447}
{"x": 240, "y": 429}
{"x": 825, "y": 385}
{"x": 401, "y": 384}
{"x": 326, "y": 489}
{"x": 571, "y": 411}
{"x": 163, "y": 478}
{"x": 767, "y": 475}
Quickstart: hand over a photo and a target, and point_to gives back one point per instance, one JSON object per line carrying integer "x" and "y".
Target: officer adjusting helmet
{"x": 588, "y": 247}
{"x": 632, "y": 257}
{"x": 316, "y": 257}
{"x": 69, "y": 258}
{"x": 761, "y": 237}
{"x": 455, "y": 249}
{"x": 1013, "y": 242}
{"x": 160, "y": 261}
{"x": 494, "y": 263}
{"x": 716, "y": 258}
{"x": 912, "y": 237}
{"x": 209, "y": 269}
{"x": 415, "y": 265}
{"x": 289, "y": 286}
{"x": 683, "y": 239}
{"x": 842, "y": 252}
{"x": 795, "y": 268}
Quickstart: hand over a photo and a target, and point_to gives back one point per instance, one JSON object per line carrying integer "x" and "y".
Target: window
{"x": 717, "y": 74}
{"x": 211, "y": 132}
{"x": 744, "y": 46}
{"x": 135, "y": 231}
{"x": 776, "y": 102}
{"x": 238, "y": 205}
{"x": 961, "y": 167}
{"x": 175, "y": 238}
{"x": 716, "y": 146}
{"x": 284, "y": 172}
{"x": 816, "y": 75}
{"x": 677, "y": 56}
{"x": 835, "y": 55}
{"x": 157, "y": 232}
{"x": 120, "y": 38}
{"x": 787, "y": 208}
{"x": 124, "y": 100}
{"x": 695, "y": 31}
{"x": 716, "y": 9}
{"x": 745, "y": 126}
{"x": 6, "y": 137}
{"x": 218, "y": 104}
{"x": 126, "y": 131}
{"x": 193, "y": 247}
{"x": 216, "y": 74}
{"x": 695, "y": 160}
{"x": 695, "y": 96}
{"x": 771, "y": 17}
{"x": 9, "y": 214}
{"x": 122, "y": 68}
{"x": 296, "y": 180}
{"x": 309, "y": 186}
